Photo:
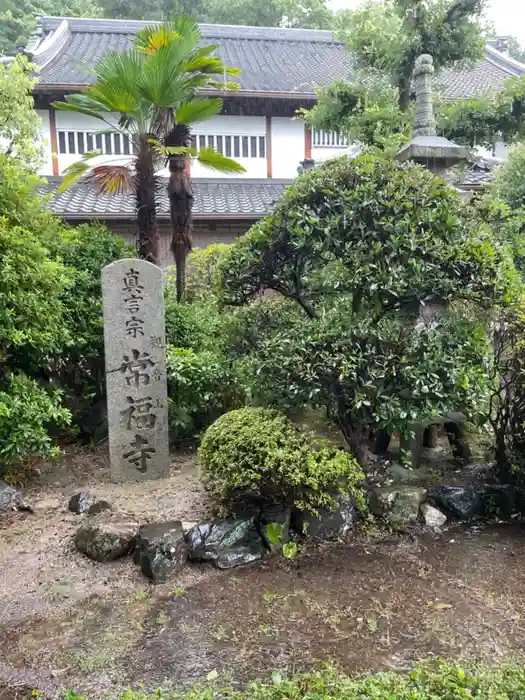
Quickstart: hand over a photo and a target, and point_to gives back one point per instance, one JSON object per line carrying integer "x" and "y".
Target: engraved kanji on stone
{"x": 155, "y": 341}
{"x": 136, "y": 368}
{"x": 138, "y": 415}
{"x": 131, "y": 280}
{"x": 140, "y": 454}
{"x": 134, "y": 291}
{"x": 134, "y": 327}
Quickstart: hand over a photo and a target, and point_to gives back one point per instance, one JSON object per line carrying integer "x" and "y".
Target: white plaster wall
{"x": 45, "y": 139}
{"x": 233, "y": 126}
{"x": 501, "y": 150}
{"x": 287, "y": 146}
{"x": 320, "y": 154}
{"x": 69, "y": 121}
{"x": 220, "y": 125}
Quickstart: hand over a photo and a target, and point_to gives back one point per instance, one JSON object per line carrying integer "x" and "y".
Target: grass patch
{"x": 440, "y": 680}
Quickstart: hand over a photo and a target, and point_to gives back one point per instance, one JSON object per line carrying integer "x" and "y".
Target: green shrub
{"x": 509, "y": 181}
{"x": 201, "y": 387}
{"x": 189, "y": 325}
{"x": 85, "y": 250}
{"x": 32, "y": 328}
{"x": 260, "y": 450}
{"x": 203, "y": 278}
{"x": 25, "y": 411}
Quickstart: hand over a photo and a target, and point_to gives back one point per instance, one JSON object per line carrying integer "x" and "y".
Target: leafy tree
{"x": 153, "y": 88}
{"x": 388, "y": 35}
{"x": 358, "y": 248}
{"x": 515, "y": 49}
{"x": 510, "y": 179}
{"x": 17, "y": 18}
{"x": 159, "y": 10}
{"x": 487, "y": 119}
{"x": 367, "y": 114}
{"x": 275, "y": 13}
{"x": 19, "y": 122}
{"x": 312, "y": 14}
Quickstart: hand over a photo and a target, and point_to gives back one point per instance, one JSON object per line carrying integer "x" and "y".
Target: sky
{"x": 507, "y": 15}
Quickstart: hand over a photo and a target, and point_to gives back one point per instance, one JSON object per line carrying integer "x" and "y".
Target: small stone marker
{"x": 134, "y": 341}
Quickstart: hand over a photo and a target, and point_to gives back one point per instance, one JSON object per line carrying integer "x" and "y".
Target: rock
{"x": 402, "y": 475}
{"x": 106, "y": 536}
{"x": 275, "y": 514}
{"x": 238, "y": 556}
{"x": 98, "y": 507}
{"x": 330, "y": 524}
{"x": 207, "y": 541}
{"x": 381, "y": 500}
{"x": 160, "y": 550}
{"x": 433, "y": 517}
{"x": 501, "y": 500}
{"x": 405, "y": 509}
{"x": 11, "y": 499}
{"x": 80, "y": 502}
{"x": 461, "y": 501}
{"x": 84, "y": 502}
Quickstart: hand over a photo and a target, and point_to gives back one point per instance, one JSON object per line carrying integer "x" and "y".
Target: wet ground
{"x": 68, "y": 622}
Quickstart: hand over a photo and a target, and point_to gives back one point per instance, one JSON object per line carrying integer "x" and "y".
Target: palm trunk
{"x": 181, "y": 203}
{"x": 148, "y": 247}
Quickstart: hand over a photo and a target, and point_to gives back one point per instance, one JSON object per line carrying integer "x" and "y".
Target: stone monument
{"x": 436, "y": 153}
{"x": 134, "y": 341}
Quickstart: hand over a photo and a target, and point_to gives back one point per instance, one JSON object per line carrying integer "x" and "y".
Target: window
{"x": 238, "y": 146}
{"x": 80, "y": 142}
{"x": 328, "y": 139}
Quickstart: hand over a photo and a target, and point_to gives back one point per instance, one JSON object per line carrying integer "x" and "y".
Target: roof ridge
{"x": 128, "y": 26}
{"x": 504, "y": 61}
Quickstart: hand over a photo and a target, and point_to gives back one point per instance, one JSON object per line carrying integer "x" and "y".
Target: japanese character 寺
{"x": 140, "y": 454}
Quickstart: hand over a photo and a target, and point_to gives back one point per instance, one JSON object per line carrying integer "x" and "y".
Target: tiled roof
{"x": 214, "y": 198}
{"x": 273, "y": 60}
{"x": 477, "y": 175}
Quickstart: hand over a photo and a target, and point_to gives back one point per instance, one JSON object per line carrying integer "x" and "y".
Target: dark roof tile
{"x": 286, "y": 61}
{"x": 233, "y": 198}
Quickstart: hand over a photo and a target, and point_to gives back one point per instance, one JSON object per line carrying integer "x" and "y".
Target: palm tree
{"x": 153, "y": 88}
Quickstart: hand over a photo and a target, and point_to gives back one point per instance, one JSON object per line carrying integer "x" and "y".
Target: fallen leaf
{"x": 440, "y": 606}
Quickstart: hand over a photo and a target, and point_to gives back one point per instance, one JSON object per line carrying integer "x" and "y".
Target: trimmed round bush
{"x": 259, "y": 450}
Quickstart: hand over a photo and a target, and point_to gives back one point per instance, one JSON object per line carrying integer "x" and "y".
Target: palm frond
{"x": 198, "y": 62}
{"x": 198, "y": 109}
{"x": 117, "y": 84}
{"x": 216, "y": 161}
{"x": 168, "y": 151}
{"x": 75, "y": 171}
{"x": 89, "y": 107}
{"x": 112, "y": 179}
{"x": 154, "y": 37}
{"x": 223, "y": 85}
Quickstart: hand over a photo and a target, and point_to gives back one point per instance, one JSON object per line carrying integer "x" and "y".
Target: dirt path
{"x": 66, "y": 621}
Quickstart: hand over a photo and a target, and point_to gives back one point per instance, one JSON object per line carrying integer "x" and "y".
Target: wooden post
{"x": 307, "y": 141}
{"x": 53, "y": 140}
{"x": 268, "y": 147}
